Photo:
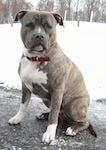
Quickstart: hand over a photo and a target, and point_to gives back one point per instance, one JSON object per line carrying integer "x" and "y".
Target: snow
{"x": 85, "y": 45}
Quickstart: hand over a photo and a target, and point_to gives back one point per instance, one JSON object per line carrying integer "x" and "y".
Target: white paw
{"x": 70, "y": 132}
{"x": 19, "y": 116}
{"x": 15, "y": 120}
{"x": 49, "y": 135}
{"x": 47, "y": 138}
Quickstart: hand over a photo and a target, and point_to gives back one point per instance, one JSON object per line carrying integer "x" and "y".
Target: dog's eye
{"x": 46, "y": 25}
{"x": 30, "y": 25}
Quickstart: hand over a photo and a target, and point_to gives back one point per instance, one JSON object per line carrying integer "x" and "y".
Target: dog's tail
{"x": 91, "y": 130}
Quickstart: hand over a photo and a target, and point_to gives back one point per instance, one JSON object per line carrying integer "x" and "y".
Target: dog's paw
{"x": 70, "y": 131}
{"x": 49, "y": 135}
{"x": 15, "y": 120}
{"x": 42, "y": 116}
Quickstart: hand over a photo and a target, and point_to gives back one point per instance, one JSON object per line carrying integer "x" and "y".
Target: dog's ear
{"x": 20, "y": 14}
{"x": 58, "y": 18}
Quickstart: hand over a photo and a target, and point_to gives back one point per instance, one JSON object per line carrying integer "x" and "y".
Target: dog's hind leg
{"x": 26, "y": 94}
{"x": 76, "y": 110}
{"x": 80, "y": 126}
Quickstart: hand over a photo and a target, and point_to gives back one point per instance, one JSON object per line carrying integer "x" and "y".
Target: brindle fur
{"x": 65, "y": 86}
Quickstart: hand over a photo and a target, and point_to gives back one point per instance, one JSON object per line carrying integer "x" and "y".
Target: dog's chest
{"x": 30, "y": 74}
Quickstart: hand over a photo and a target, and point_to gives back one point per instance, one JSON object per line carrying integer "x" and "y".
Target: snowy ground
{"x": 85, "y": 45}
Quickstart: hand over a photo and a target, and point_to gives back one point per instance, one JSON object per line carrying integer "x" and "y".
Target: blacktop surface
{"x": 28, "y": 134}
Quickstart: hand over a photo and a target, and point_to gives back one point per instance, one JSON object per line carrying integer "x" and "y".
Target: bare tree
{"x": 49, "y": 5}
{"x": 103, "y": 11}
{"x": 9, "y": 8}
{"x": 97, "y": 17}
{"x": 77, "y": 8}
{"x": 61, "y": 7}
{"x": 46, "y": 5}
{"x": 16, "y": 5}
{"x": 91, "y": 6}
{"x": 68, "y": 3}
{"x": 2, "y": 11}
{"x": 41, "y": 5}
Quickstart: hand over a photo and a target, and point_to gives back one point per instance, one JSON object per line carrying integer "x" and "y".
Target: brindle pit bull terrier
{"x": 47, "y": 72}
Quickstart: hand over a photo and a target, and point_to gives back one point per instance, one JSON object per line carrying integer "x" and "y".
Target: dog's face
{"x": 38, "y": 31}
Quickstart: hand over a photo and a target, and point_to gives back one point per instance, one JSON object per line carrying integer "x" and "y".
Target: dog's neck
{"x": 35, "y": 57}
{"x": 40, "y": 61}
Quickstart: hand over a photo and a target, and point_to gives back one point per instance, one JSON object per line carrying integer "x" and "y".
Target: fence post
{"x": 78, "y": 21}
{"x": 11, "y": 21}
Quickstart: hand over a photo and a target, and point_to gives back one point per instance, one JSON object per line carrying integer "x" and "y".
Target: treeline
{"x": 87, "y": 10}
{"x": 8, "y": 9}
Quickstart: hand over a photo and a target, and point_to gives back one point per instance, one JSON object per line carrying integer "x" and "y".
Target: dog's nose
{"x": 39, "y": 36}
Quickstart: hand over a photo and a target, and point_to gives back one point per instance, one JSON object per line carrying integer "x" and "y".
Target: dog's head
{"x": 38, "y": 31}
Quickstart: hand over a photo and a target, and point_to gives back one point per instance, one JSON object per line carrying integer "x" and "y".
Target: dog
{"x": 48, "y": 73}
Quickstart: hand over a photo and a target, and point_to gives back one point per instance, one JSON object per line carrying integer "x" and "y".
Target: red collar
{"x": 38, "y": 59}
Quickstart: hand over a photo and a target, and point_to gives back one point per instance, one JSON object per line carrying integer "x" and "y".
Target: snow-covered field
{"x": 85, "y": 45}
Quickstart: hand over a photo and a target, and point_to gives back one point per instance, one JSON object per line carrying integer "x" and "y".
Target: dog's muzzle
{"x": 37, "y": 43}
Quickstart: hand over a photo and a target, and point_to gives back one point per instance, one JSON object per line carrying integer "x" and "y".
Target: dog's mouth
{"x": 38, "y": 48}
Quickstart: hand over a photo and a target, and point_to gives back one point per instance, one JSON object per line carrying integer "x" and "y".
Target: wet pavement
{"x": 28, "y": 134}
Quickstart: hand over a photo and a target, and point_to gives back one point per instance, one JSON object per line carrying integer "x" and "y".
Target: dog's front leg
{"x": 26, "y": 94}
{"x": 56, "y": 101}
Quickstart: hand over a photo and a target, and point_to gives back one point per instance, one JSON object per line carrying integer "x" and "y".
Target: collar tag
{"x": 38, "y": 66}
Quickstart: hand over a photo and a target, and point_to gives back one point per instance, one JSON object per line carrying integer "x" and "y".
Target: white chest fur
{"x": 29, "y": 74}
